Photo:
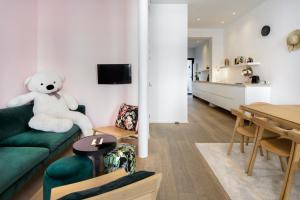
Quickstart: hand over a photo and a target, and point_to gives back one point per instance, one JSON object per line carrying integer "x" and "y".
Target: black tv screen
{"x": 114, "y": 73}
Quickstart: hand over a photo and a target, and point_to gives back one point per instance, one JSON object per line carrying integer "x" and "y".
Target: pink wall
{"x": 70, "y": 36}
{"x": 18, "y": 43}
{"x": 76, "y": 35}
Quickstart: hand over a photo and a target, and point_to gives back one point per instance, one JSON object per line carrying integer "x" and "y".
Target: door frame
{"x": 193, "y": 60}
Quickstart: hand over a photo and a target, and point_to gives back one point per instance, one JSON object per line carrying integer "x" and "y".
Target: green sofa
{"x": 23, "y": 150}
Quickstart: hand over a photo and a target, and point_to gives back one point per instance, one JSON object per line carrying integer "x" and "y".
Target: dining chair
{"x": 293, "y": 164}
{"x": 281, "y": 146}
{"x": 243, "y": 127}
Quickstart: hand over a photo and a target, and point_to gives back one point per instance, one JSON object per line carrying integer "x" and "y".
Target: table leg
{"x": 242, "y": 144}
{"x": 289, "y": 174}
{"x": 97, "y": 165}
{"x": 101, "y": 167}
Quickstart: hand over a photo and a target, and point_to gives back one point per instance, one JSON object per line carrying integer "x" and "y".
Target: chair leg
{"x": 282, "y": 163}
{"x": 232, "y": 138}
{"x": 242, "y": 144}
{"x": 261, "y": 151}
{"x": 252, "y": 159}
{"x": 231, "y": 144}
{"x": 252, "y": 162}
{"x": 247, "y": 141}
{"x": 268, "y": 155}
{"x": 290, "y": 172}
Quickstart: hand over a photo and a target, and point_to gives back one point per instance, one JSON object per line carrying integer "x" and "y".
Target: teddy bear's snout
{"x": 50, "y": 87}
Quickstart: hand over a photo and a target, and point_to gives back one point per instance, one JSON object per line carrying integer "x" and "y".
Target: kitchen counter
{"x": 230, "y": 95}
{"x": 235, "y": 84}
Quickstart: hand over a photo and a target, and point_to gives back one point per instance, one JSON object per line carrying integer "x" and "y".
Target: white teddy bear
{"x": 52, "y": 108}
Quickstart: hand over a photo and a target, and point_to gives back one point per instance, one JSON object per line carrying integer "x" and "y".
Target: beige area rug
{"x": 264, "y": 184}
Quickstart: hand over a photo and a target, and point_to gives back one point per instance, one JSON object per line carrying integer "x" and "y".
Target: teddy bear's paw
{"x": 88, "y": 132}
{"x": 13, "y": 103}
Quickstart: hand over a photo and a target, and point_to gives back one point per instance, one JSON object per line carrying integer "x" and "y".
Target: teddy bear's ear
{"x": 26, "y": 82}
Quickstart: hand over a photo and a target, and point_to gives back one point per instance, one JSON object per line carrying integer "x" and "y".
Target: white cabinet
{"x": 230, "y": 96}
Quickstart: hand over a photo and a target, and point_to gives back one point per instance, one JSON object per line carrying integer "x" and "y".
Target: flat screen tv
{"x": 114, "y": 73}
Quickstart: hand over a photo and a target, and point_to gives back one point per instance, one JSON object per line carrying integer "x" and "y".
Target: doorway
{"x": 200, "y": 49}
{"x": 190, "y": 69}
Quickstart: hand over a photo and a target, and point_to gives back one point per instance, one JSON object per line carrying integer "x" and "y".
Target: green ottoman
{"x": 66, "y": 171}
{"x": 123, "y": 156}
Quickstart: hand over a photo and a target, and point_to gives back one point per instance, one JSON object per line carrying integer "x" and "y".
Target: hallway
{"x": 173, "y": 152}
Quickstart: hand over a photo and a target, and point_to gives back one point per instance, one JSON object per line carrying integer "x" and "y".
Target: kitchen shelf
{"x": 252, "y": 64}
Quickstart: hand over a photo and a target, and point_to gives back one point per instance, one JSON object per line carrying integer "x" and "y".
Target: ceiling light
{"x": 234, "y": 13}
{"x": 222, "y": 22}
{"x": 198, "y": 19}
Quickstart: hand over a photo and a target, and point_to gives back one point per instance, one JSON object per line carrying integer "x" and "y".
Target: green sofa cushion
{"x": 14, "y": 120}
{"x": 121, "y": 182}
{"x": 17, "y": 161}
{"x": 35, "y": 138}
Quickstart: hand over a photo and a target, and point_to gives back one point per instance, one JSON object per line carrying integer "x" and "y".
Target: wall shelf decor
{"x": 293, "y": 40}
{"x": 203, "y": 70}
{"x": 252, "y": 64}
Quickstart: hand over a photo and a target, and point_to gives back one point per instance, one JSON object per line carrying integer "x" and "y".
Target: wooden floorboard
{"x": 172, "y": 151}
{"x": 186, "y": 175}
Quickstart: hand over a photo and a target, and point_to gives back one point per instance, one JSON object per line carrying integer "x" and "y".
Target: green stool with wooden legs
{"x": 66, "y": 171}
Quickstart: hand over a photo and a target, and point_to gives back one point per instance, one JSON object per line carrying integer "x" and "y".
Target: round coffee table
{"x": 84, "y": 147}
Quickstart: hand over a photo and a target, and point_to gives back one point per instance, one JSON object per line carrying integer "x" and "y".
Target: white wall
{"x": 74, "y": 36}
{"x": 217, "y": 45}
{"x": 206, "y": 54}
{"x": 191, "y": 52}
{"x": 168, "y": 63}
{"x": 18, "y": 27}
{"x": 278, "y": 66}
{"x": 203, "y": 59}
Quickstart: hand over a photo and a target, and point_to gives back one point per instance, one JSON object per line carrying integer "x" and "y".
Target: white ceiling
{"x": 212, "y": 12}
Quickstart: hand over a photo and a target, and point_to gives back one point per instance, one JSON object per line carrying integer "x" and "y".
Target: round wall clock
{"x": 265, "y": 30}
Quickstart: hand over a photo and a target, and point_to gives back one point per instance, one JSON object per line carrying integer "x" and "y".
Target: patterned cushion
{"x": 123, "y": 156}
{"x": 128, "y": 117}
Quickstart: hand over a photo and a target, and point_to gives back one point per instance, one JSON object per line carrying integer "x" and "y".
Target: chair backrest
{"x": 14, "y": 120}
{"x": 294, "y": 135}
{"x": 271, "y": 126}
{"x": 260, "y": 103}
{"x": 145, "y": 189}
{"x": 242, "y": 115}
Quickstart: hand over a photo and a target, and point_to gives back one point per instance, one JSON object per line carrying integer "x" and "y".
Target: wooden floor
{"x": 172, "y": 151}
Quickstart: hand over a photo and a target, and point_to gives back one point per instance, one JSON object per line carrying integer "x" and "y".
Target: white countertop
{"x": 235, "y": 84}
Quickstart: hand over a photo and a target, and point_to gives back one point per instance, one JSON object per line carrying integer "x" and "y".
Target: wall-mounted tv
{"x": 114, "y": 73}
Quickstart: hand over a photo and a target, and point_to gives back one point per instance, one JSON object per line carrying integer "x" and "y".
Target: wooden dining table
{"x": 289, "y": 116}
